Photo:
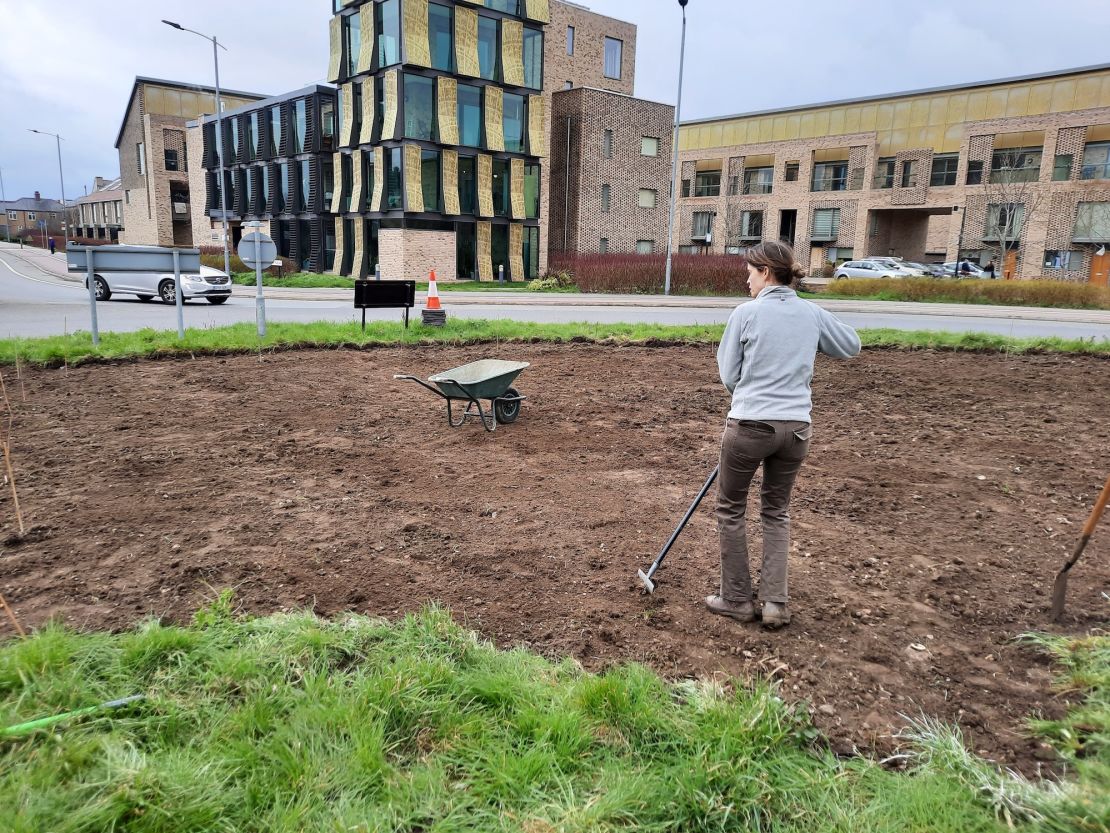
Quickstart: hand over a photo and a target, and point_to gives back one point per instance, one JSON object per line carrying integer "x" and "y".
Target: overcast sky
{"x": 67, "y": 66}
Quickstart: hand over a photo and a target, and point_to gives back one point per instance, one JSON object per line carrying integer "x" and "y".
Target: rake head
{"x": 648, "y": 583}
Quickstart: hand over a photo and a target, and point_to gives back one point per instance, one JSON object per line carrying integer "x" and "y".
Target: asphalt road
{"x": 35, "y": 301}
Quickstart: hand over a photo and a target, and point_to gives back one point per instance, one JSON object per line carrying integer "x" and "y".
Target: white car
{"x": 898, "y": 265}
{"x": 211, "y": 285}
{"x": 865, "y": 269}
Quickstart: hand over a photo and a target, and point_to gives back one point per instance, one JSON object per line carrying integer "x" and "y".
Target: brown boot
{"x": 740, "y": 611}
{"x": 775, "y": 615}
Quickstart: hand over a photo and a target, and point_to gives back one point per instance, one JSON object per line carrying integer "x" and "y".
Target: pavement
{"x": 39, "y": 297}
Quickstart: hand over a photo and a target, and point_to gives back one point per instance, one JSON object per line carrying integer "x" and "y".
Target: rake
{"x": 647, "y": 577}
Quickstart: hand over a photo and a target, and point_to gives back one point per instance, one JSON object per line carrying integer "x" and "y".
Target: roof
{"x": 270, "y": 102}
{"x": 177, "y": 85}
{"x": 101, "y": 195}
{"x": 1017, "y": 79}
{"x": 31, "y": 204}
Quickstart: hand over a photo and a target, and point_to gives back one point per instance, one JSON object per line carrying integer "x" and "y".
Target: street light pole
{"x": 216, "y": 46}
{"x": 61, "y": 175}
{"x": 674, "y": 153}
{"x": 4, "y": 199}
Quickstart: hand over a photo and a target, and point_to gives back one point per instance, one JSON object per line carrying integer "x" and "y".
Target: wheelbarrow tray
{"x": 485, "y": 379}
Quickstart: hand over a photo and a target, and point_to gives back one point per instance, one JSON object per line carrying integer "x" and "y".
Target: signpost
{"x": 258, "y": 252}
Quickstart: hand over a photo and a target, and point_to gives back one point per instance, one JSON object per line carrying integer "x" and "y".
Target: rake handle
{"x": 1059, "y": 588}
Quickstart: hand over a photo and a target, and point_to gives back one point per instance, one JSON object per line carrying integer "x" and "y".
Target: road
{"x": 38, "y": 299}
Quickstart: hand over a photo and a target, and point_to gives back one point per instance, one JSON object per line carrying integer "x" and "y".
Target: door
{"x": 1100, "y": 269}
{"x": 1009, "y": 265}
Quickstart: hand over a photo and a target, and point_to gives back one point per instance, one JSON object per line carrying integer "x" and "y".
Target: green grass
{"x": 311, "y": 280}
{"x": 242, "y": 338}
{"x": 293, "y": 723}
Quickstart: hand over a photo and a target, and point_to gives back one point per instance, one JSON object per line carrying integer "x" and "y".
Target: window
{"x": 975, "y": 172}
{"x": 304, "y": 192}
{"x": 394, "y": 195}
{"x": 792, "y": 169}
{"x": 1016, "y": 165}
{"x": 1096, "y": 161}
{"x": 751, "y": 225}
{"x": 531, "y": 252}
{"x": 502, "y": 190}
{"x": 31, "y": 216}
{"x": 140, "y": 156}
{"x": 513, "y": 119}
{"x": 733, "y": 186}
{"x": 613, "y": 50}
{"x": 367, "y": 181}
{"x": 487, "y": 47}
{"x": 649, "y": 146}
{"x": 909, "y": 173}
{"x": 533, "y": 59}
{"x": 233, "y": 140}
{"x": 327, "y": 121}
{"x": 606, "y": 197}
{"x": 387, "y": 22}
{"x": 249, "y": 172}
{"x": 687, "y": 250}
{"x": 250, "y": 126}
{"x": 466, "y": 250}
{"x": 532, "y": 191}
{"x": 171, "y": 159}
{"x": 884, "y": 173}
{"x": 126, "y": 198}
{"x": 470, "y": 115}
{"x": 468, "y": 185}
{"x": 703, "y": 225}
{"x": 507, "y": 6}
{"x": 275, "y": 131}
{"x": 499, "y": 248}
{"x": 826, "y": 224}
{"x": 347, "y": 170}
{"x": 283, "y": 203}
{"x": 603, "y": 246}
{"x": 441, "y": 36}
{"x": 1092, "y": 223}
{"x": 645, "y": 247}
{"x": 420, "y": 108}
{"x": 839, "y": 255}
{"x": 1061, "y": 167}
{"x": 1063, "y": 260}
{"x": 1004, "y": 222}
{"x": 758, "y": 180}
{"x": 352, "y": 39}
{"x": 830, "y": 176}
{"x": 607, "y": 144}
{"x": 685, "y": 188}
{"x": 300, "y": 123}
{"x": 707, "y": 184}
{"x": 944, "y": 170}
{"x": 648, "y": 198}
{"x": 570, "y": 40}
{"x": 568, "y": 85}
{"x": 264, "y": 176}
{"x": 12, "y": 215}
{"x": 429, "y": 179}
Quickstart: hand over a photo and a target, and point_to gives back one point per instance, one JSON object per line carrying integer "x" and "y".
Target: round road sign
{"x": 256, "y": 249}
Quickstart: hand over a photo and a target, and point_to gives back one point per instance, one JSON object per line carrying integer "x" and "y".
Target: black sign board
{"x": 385, "y": 295}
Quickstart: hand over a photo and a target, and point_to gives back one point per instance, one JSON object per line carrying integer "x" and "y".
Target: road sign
{"x": 255, "y": 256}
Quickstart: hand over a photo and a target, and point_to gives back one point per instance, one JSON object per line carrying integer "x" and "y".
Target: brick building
{"x": 158, "y": 203}
{"x": 30, "y": 215}
{"x": 1015, "y": 170}
{"x": 98, "y": 215}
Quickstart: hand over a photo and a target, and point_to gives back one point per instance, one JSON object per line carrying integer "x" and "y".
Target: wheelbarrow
{"x": 488, "y": 379}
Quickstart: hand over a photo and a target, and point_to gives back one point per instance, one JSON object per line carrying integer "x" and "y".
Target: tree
{"x": 1014, "y": 197}
{"x": 1092, "y": 229}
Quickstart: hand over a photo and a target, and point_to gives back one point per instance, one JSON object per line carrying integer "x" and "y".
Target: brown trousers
{"x": 780, "y": 447}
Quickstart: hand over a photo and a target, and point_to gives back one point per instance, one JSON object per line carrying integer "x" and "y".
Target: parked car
{"x": 932, "y": 270}
{"x": 866, "y": 269}
{"x": 211, "y": 285}
{"x": 898, "y": 265}
{"x": 974, "y": 269}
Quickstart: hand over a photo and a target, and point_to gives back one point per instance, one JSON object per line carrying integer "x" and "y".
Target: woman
{"x": 766, "y": 363}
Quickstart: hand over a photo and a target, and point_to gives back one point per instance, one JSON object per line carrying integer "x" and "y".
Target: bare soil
{"x": 942, "y": 493}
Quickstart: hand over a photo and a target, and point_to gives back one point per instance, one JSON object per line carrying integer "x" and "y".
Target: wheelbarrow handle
{"x": 422, "y": 384}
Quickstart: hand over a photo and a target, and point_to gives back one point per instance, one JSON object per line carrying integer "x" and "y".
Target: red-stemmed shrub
{"x": 644, "y": 274}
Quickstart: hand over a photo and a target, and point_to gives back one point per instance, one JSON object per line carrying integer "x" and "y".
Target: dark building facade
{"x": 278, "y": 169}
{"x": 441, "y": 133}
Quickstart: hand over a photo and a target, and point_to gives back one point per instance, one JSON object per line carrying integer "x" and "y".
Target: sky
{"x": 67, "y": 66}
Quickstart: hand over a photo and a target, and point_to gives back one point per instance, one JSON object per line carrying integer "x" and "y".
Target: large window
{"x": 304, "y": 192}
{"x": 1092, "y": 223}
{"x": 826, "y": 224}
{"x": 275, "y": 131}
{"x": 264, "y": 175}
{"x": 387, "y": 18}
{"x": 532, "y": 191}
{"x": 975, "y": 172}
{"x": 830, "y": 176}
{"x": 1096, "y": 161}
{"x": 394, "y": 193}
{"x": 328, "y": 168}
{"x": 613, "y": 54}
{"x": 429, "y": 179}
{"x": 300, "y": 125}
{"x": 250, "y": 124}
{"x": 487, "y": 47}
{"x": 533, "y": 59}
{"x": 171, "y": 161}
{"x": 703, "y": 225}
{"x": 944, "y": 170}
{"x": 441, "y": 37}
{"x": 352, "y": 39}
{"x": 470, "y": 115}
{"x": 1016, "y": 165}
{"x": 420, "y": 108}
{"x": 1004, "y": 222}
{"x": 233, "y": 135}
{"x": 500, "y": 249}
{"x": 304, "y": 244}
{"x": 884, "y": 173}
{"x": 1061, "y": 167}
{"x": 751, "y": 225}
{"x": 514, "y": 123}
{"x": 502, "y": 188}
{"x": 327, "y": 125}
{"x": 284, "y": 173}
{"x": 759, "y": 180}
{"x": 468, "y": 185}
{"x": 707, "y": 184}
{"x": 531, "y": 252}
{"x": 466, "y": 250}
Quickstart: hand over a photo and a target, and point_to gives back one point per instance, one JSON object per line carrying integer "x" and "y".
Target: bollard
{"x": 501, "y": 273}
{"x": 377, "y": 271}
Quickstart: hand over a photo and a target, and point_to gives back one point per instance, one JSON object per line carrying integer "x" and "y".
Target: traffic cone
{"x": 433, "y": 314}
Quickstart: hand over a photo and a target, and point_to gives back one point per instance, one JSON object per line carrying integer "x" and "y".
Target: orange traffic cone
{"x": 433, "y": 313}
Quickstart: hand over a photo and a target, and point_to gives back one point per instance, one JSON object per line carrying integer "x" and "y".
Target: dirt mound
{"x": 942, "y": 492}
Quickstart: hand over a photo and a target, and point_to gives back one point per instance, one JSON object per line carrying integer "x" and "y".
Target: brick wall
{"x": 410, "y": 254}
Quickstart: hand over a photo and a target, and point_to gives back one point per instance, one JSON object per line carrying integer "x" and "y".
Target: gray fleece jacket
{"x": 767, "y": 352}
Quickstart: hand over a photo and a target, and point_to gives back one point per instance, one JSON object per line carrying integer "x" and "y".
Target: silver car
{"x": 865, "y": 269}
{"x": 211, "y": 284}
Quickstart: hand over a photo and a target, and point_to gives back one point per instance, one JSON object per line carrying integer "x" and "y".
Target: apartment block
{"x": 98, "y": 215}
{"x": 30, "y": 215}
{"x": 1015, "y": 170}
{"x": 158, "y": 203}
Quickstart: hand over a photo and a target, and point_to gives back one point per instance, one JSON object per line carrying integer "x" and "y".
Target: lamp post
{"x": 216, "y": 46}
{"x": 674, "y": 153}
{"x": 4, "y": 199}
{"x": 61, "y": 176}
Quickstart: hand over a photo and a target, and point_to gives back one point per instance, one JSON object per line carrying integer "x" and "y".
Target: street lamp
{"x": 219, "y": 133}
{"x": 674, "y": 153}
{"x": 61, "y": 176}
{"x": 4, "y": 199}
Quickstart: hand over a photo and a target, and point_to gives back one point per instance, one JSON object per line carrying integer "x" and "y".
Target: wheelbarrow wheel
{"x": 507, "y": 411}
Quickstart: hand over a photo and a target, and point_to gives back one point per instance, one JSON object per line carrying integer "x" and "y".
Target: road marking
{"x": 28, "y": 277}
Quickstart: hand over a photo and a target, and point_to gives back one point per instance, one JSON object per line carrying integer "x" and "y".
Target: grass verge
{"x": 1049, "y": 294}
{"x": 293, "y": 723}
{"x": 310, "y": 280}
{"x": 242, "y": 338}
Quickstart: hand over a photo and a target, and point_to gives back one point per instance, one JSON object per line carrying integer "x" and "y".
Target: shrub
{"x": 213, "y": 257}
{"x": 1016, "y": 293}
{"x": 645, "y": 274}
{"x": 552, "y": 280}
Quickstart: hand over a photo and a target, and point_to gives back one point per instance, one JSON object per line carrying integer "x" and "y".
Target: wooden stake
{"x": 5, "y": 445}
{"x": 19, "y": 376}
{"x": 15, "y": 622}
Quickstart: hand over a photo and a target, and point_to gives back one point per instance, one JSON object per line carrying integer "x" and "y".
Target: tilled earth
{"x": 942, "y": 493}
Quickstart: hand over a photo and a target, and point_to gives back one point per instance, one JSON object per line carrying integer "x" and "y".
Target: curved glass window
{"x": 441, "y": 37}
{"x": 429, "y": 179}
{"x": 300, "y": 120}
{"x": 533, "y": 59}
{"x": 420, "y": 108}
{"x": 470, "y": 115}
{"x": 394, "y": 194}
{"x": 388, "y": 19}
{"x": 514, "y": 123}
{"x": 487, "y": 48}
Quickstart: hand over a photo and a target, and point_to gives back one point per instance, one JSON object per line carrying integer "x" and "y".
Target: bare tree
{"x": 1014, "y": 198}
